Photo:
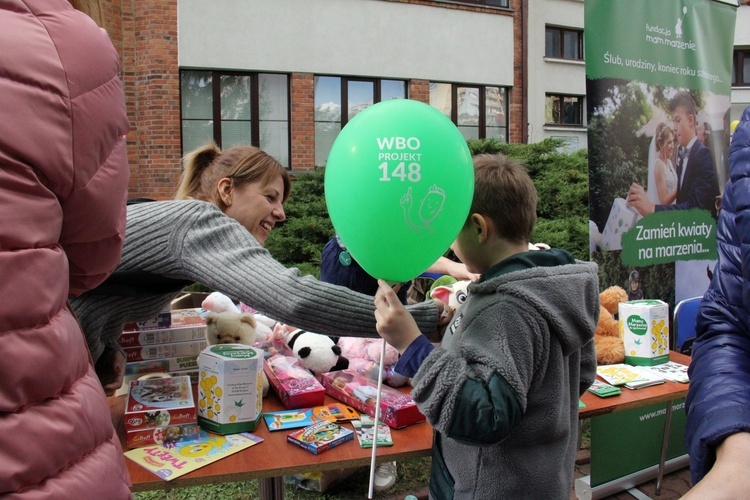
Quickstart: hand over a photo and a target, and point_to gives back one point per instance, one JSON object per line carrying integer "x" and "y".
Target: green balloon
{"x": 398, "y": 184}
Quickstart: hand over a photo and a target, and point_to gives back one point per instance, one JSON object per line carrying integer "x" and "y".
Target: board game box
{"x": 158, "y": 402}
{"x": 321, "y": 436}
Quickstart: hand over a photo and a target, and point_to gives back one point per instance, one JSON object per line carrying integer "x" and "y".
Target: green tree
{"x": 561, "y": 180}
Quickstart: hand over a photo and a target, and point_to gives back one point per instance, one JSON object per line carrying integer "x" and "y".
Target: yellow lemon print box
{"x": 645, "y": 331}
{"x": 229, "y": 388}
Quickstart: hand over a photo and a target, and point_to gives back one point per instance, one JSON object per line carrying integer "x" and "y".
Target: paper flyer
{"x": 171, "y": 462}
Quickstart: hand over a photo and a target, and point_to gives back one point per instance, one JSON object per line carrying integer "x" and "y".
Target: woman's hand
{"x": 393, "y": 321}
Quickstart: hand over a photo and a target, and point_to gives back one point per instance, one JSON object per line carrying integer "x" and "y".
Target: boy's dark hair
{"x": 685, "y": 100}
{"x": 504, "y": 192}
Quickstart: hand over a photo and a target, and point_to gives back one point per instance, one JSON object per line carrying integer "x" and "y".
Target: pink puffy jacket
{"x": 63, "y": 187}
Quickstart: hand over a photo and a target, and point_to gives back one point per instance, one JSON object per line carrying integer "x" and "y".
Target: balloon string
{"x": 377, "y": 420}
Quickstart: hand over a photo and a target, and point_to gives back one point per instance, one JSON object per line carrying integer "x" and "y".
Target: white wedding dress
{"x": 670, "y": 175}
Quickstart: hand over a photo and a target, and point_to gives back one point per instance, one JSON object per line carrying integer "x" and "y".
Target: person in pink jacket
{"x": 63, "y": 189}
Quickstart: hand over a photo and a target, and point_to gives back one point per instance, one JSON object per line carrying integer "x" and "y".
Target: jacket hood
{"x": 567, "y": 296}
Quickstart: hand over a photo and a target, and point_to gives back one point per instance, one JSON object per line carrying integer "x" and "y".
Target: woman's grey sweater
{"x": 193, "y": 240}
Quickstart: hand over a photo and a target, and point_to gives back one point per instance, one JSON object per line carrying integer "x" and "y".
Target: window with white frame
{"x": 563, "y": 43}
{"x": 563, "y": 110}
{"x": 338, "y": 99}
{"x": 479, "y": 111}
{"x": 235, "y": 108}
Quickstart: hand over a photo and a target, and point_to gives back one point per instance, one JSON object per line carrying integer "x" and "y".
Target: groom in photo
{"x": 698, "y": 184}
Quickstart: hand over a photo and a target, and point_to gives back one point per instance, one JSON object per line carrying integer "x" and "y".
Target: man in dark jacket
{"x": 718, "y": 401}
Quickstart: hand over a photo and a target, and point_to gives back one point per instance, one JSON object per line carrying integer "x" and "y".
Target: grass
{"x": 413, "y": 476}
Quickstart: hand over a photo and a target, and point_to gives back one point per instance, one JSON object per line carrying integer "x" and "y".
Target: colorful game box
{"x": 295, "y": 386}
{"x": 364, "y": 428}
{"x": 321, "y": 436}
{"x": 173, "y": 350}
{"x": 159, "y": 402}
{"x": 165, "y": 365}
{"x": 335, "y": 412}
{"x": 289, "y": 419}
{"x": 162, "y": 336}
{"x": 396, "y": 408}
{"x": 168, "y": 435}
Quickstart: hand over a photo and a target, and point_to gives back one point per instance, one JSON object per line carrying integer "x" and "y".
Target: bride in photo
{"x": 661, "y": 188}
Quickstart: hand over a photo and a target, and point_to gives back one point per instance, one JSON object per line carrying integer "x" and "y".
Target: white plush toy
{"x": 454, "y": 294}
{"x": 318, "y": 353}
{"x": 218, "y": 302}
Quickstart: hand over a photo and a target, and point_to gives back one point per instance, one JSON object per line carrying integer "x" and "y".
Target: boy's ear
{"x": 481, "y": 226}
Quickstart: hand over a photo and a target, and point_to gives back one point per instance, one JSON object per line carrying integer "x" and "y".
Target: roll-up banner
{"x": 658, "y": 82}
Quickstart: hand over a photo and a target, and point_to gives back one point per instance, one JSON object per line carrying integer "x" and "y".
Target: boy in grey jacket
{"x": 502, "y": 389}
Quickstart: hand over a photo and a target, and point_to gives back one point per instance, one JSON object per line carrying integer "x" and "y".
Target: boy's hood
{"x": 566, "y": 295}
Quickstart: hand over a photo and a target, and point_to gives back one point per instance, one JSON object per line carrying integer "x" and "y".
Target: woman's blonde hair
{"x": 661, "y": 135}
{"x": 205, "y": 166}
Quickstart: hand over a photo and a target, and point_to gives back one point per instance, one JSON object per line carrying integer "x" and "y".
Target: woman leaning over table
{"x": 228, "y": 203}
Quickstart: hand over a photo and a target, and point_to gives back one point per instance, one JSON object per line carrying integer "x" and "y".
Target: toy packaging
{"x": 645, "y": 327}
{"x": 335, "y": 412}
{"x": 295, "y": 386}
{"x": 321, "y": 436}
{"x": 163, "y": 319}
{"x": 230, "y": 394}
{"x": 603, "y": 389}
{"x": 173, "y": 350}
{"x": 289, "y": 419}
{"x": 167, "y": 435}
{"x": 365, "y": 431}
{"x": 159, "y": 402}
{"x": 294, "y": 419}
{"x": 195, "y": 316}
{"x": 162, "y": 336}
{"x": 164, "y": 365}
{"x": 170, "y": 462}
{"x": 396, "y": 408}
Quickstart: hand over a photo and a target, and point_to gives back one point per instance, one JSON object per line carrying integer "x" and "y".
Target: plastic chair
{"x": 684, "y": 321}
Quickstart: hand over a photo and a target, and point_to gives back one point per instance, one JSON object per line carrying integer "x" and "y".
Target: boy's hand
{"x": 394, "y": 323}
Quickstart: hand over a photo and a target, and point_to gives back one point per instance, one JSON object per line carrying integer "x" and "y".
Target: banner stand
{"x": 628, "y": 483}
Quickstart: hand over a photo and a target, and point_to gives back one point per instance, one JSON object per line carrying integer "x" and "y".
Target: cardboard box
{"x": 645, "y": 331}
{"x": 159, "y": 402}
{"x": 294, "y": 385}
{"x": 396, "y": 408}
{"x": 193, "y": 374}
{"x": 320, "y": 436}
{"x": 162, "y": 336}
{"x": 230, "y": 394}
{"x": 167, "y": 435}
{"x": 173, "y": 350}
{"x": 190, "y": 300}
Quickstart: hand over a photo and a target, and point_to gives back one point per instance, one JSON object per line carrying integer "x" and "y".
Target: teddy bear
{"x": 229, "y": 327}
{"x": 217, "y": 302}
{"x": 318, "y": 353}
{"x": 232, "y": 327}
{"x": 610, "y": 348}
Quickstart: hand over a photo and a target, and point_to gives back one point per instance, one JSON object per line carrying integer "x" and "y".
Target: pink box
{"x": 295, "y": 386}
{"x": 396, "y": 408}
{"x": 159, "y": 402}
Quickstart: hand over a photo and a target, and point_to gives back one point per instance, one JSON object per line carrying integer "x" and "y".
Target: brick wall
{"x": 303, "y": 121}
